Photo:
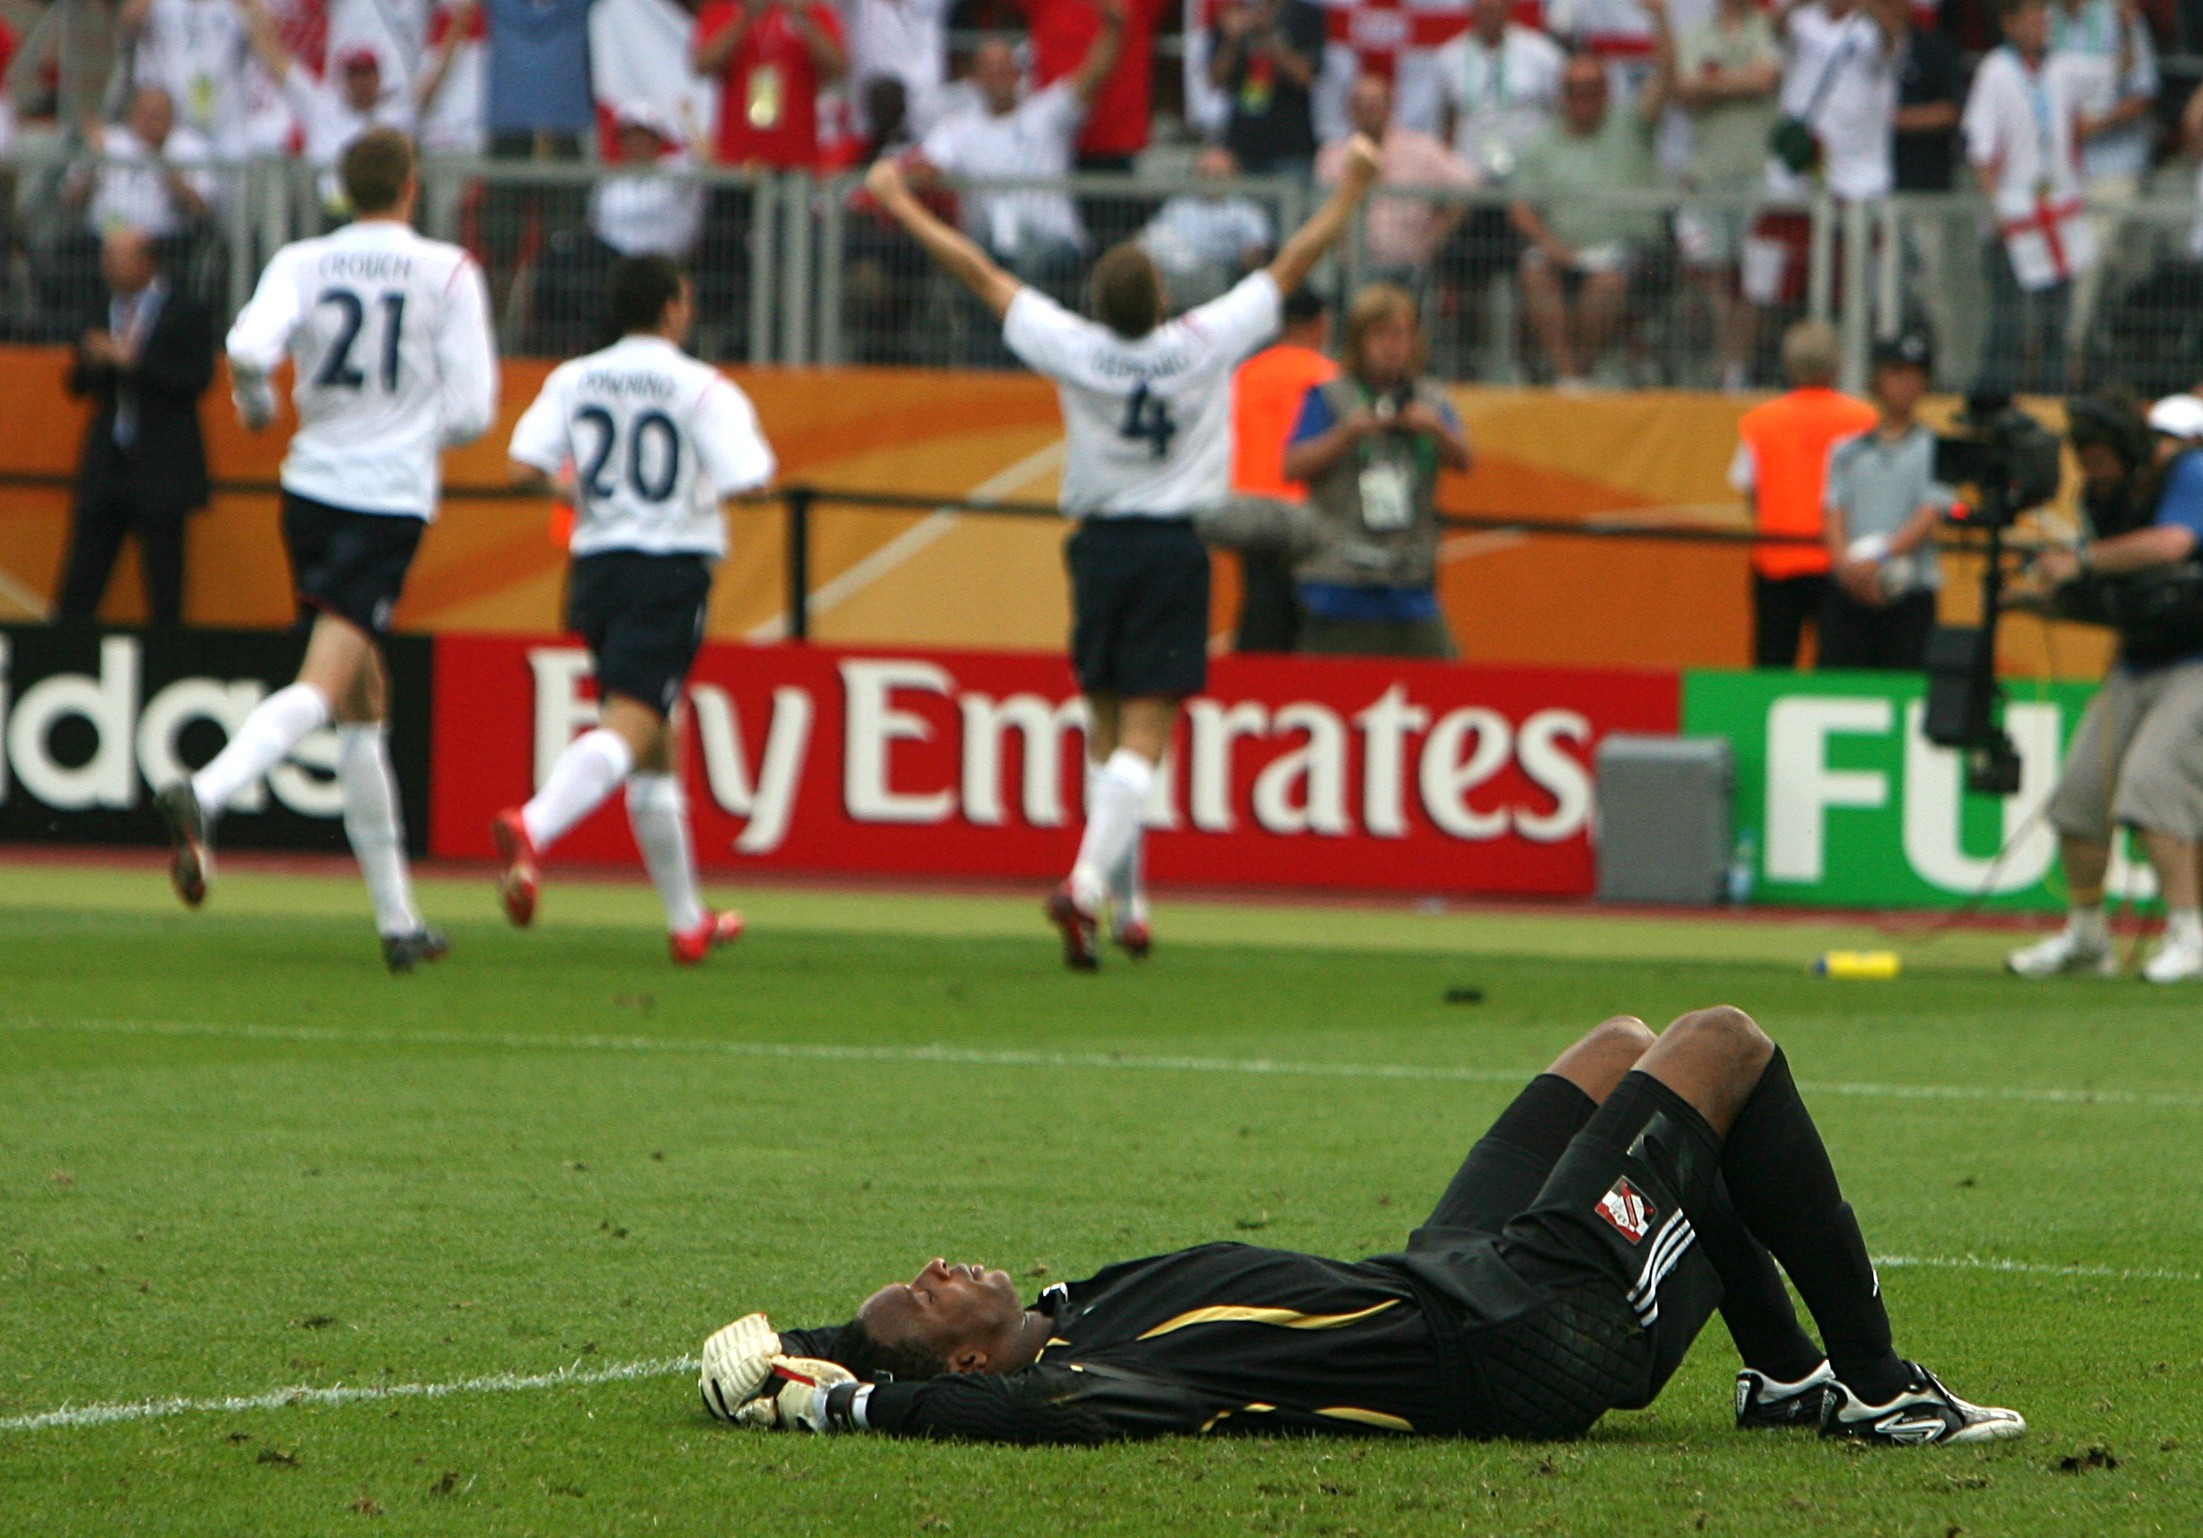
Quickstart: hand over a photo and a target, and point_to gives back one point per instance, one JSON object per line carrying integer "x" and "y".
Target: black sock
{"x": 1754, "y": 1303}
{"x": 1785, "y": 1190}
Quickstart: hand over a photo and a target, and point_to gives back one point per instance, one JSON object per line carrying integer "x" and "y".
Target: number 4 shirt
{"x": 657, "y": 440}
{"x": 1148, "y": 420}
{"x": 390, "y": 336}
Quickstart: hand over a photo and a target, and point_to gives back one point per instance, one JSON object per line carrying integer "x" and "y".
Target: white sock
{"x": 2085, "y": 923}
{"x": 658, "y": 812}
{"x": 1112, "y": 824}
{"x": 592, "y": 765}
{"x": 1128, "y": 882}
{"x": 374, "y": 824}
{"x": 2184, "y": 927}
{"x": 1127, "y": 887}
{"x": 275, "y": 727}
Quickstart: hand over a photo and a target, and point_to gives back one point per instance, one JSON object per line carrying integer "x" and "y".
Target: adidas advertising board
{"x": 1341, "y": 774}
{"x": 93, "y": 721}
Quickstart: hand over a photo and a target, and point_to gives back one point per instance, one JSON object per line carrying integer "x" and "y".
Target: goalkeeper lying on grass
{"x": 1632, "y": 1188}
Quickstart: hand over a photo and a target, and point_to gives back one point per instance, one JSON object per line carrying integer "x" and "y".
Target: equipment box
{"x": 1663, "y": 819}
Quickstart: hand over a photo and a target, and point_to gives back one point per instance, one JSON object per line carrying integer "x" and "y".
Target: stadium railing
{"x": 804, "y": 508}
{"x": 796, "y": 269}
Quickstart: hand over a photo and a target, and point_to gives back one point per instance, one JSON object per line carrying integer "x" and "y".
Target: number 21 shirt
{"x": 390, "y": 336}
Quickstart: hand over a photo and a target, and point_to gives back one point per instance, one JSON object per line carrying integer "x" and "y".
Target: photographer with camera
{"x": 2137, "y": 760}
{"x": 1369, "y": 446}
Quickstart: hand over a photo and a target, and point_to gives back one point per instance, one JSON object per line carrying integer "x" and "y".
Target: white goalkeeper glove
{"x": 800, "y": 1401}
{"x": 737, "y": 1361}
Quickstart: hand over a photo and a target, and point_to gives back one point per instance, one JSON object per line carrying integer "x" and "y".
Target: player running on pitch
{"x": 389, "y": 336}
{"x": 655, "y": 441}
{"x": 1147, "y": 415}
{"x": 1583, "y": 1244}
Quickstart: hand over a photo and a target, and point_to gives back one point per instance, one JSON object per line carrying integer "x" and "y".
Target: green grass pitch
{"x": 511, "y": 1193}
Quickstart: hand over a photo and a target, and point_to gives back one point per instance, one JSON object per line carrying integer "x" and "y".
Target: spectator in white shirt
{"x": 645, "y": 211}
{"x": 1841, "y": 83}
{"x": 646, "y": 204}
{"x": 2102, "y": 48}
{"x": 2019, "y": 128}
{"x": 198, "y": 52}
{"x": 332, "y": 114}
{"x": 146, "y": 177}
{"x": 1206, "y": 241}
{"x": 905, "y": 40}
{"x": 1501, "y": 84}
{"x": 1035, "y": 234}
{"x": 395, "y": 31}
{"x": 455, "y": 121}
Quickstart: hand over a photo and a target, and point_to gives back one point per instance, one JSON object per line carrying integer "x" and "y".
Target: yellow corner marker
{"x": 1857, "y": 965}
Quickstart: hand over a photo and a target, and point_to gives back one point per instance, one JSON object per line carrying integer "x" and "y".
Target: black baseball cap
{"x": 1908, "y": 349}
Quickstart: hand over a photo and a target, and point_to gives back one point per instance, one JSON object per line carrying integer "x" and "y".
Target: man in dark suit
{"x": 145, "y": 358}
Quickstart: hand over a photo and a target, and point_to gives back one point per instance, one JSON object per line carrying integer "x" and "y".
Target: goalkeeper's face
{"x": 960, "y": 1314}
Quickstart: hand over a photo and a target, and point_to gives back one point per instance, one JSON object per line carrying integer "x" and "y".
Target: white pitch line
{"x": 975, "y": 1057}
{"x": 74, "y": 1417}
{"x": 2034, "y": 1268}
{"x": 342, "y": 1394}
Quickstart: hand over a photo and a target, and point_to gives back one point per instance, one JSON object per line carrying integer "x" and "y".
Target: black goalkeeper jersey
{"x": 1233, "y": 1338}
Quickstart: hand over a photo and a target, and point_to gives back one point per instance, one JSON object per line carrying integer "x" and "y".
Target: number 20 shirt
{"x": 1148, "y": 421}
{"x": 656, "y": 439}
{"x": 390, "y": 337}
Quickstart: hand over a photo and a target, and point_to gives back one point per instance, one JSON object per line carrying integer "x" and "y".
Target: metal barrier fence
{"x": 1656, "y": 288}
{"x": 802, "y": 506}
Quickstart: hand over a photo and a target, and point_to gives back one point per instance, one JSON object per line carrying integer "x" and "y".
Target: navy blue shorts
{"x": 643, "y": 617}
{"x": 1139, "y": 606}
{"x": 349, "y": 564}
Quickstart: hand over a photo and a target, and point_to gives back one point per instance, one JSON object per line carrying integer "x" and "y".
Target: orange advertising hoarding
{"x": 942, "y": 578}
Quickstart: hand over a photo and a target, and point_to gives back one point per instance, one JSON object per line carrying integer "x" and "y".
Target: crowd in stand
{"x": 1551, "y": 123}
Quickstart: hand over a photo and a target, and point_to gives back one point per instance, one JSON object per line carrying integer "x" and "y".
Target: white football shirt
{"x": 1148, "y": 422}
{"x": 1034, "y": 141}
{"x": 1842, "y": 79}
{"x": 657, "y": 440}
{"x": 390, "y": 337}
{"x": 199, "y": 52}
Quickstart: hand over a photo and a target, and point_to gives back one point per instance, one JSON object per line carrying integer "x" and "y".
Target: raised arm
{"x": 709, "y": 55}
{"x": 1653, "y": 99}
{"x": 267, "y": 43}
{"x": 1299, "y": 255}
{"x": 1100, "y": 59}
{"x": 1891, "y": 17}
{"x": 957, "y": 256}
{"x": 821, "y": 41}
{"x": 457, "y": 24}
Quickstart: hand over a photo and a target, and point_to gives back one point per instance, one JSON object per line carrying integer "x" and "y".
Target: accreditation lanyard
{"x": 2046, "y": 128}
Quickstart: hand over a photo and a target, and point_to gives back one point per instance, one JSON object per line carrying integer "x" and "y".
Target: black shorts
{"x": 352, "y": 565}
{"x": 1139, "y": 606}
{"x": 643, "y": 617}
{"x": 1625, "y": 1287}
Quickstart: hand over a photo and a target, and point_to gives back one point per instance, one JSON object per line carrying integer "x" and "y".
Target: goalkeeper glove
{"x": 800, "y": 1401}
{"x": 737, "y": 1362}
